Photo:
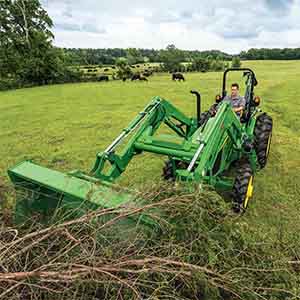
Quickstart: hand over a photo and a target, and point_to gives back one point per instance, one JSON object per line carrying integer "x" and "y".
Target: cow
{"x": 147, "y": 73}
{"x": 135, "y": 77}
{"x": 178, "y": 76}
{"x": 103, "y": 78}
{"x": 138, "y": 77}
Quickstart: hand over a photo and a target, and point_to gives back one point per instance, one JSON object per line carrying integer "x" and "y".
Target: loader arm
{"x": 147, "y": 122}
{"x": 220, "y": 142}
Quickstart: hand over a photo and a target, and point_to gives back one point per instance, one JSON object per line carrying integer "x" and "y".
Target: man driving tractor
{"x": 238, "y": 102}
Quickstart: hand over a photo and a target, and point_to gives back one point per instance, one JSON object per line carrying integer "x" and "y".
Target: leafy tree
{"x": 236, "y": 62}
{"x": 171, "y": 58}
{"x": 134, "y": 56}
{"x": 26, "y": 50}
{"x": 201, "y": 64}
{"x": 124, "y": 70}
{"x": 218, "y": 65}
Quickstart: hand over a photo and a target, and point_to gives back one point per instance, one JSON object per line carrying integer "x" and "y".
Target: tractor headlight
{"x": 257, "y": 100}
{"x": 218, "y": 98}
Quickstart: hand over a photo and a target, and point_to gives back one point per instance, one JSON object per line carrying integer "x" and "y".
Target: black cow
{"x": 147, "y": 73}
{"x": 138, "y": 77}
{"x": 135, "y": 77}
{"x": 178, "y": 76}
{"x": 103, "y": 78}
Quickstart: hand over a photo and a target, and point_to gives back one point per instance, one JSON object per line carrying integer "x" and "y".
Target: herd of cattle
{"x": 143, "y": 77}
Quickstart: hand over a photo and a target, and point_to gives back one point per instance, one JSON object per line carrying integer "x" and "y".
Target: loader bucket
{"x": 41, "y": 192}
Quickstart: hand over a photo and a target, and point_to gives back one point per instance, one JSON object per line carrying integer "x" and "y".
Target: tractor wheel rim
{"x": 249, "y": 193}
{"x": 269, "y": 145}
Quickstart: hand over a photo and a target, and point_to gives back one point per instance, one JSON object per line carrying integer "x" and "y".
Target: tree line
{"x": 271, "y": 54}
{"x": 28, "y": 56}
{"x": 133, "y": 55}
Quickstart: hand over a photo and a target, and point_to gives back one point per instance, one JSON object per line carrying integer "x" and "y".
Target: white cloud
{"x": 230, "y": 26}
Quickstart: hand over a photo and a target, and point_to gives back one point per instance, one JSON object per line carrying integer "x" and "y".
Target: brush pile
{"x": 201, "y": 252}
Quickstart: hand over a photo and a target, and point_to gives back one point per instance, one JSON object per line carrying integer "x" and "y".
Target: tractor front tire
{"x": 242, "y": 188}
{"x": 262, "y": 138}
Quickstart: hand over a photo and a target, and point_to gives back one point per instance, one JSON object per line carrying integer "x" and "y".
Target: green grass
{"x": 64, "y": 126}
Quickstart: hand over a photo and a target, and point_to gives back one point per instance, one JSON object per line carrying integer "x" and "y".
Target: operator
{"x": 238, "y": 102}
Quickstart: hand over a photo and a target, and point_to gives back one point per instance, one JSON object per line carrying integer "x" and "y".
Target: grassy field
{"x": 64, "y": 126}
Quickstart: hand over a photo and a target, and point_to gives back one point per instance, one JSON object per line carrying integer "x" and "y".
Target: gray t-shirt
{"x": 238, "y": 101}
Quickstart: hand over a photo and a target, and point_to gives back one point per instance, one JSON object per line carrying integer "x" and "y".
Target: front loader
{"x": 215, "y": 148}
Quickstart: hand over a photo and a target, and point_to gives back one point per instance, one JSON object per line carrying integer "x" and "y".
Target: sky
{"x": 226, "y": 25}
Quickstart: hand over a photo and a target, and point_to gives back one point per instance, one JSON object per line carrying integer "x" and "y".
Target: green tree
{"x": 217, "y": 65}
{"x": 171, "y": 58}
{"x": 124, "y": 70}
{"x": 201, "y": 64}
{"x": 26, "y": 50}
{"x": 134, "y": 56}
{"x": 236, "y": 62}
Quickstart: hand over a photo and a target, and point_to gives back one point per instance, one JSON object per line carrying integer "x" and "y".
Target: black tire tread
{"x": 240, "y": 187}
{"x": 262, "y": 133}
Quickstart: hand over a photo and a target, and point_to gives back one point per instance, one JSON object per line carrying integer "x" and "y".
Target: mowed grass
{"x": 64, "y": 126}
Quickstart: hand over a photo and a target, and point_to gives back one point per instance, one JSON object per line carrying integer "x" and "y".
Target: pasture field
{"x": 64, "y": 126}
{"x": 95, "y": 70}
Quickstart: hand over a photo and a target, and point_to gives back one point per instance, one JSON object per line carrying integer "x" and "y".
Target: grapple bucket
{"x": 42, "y": 191}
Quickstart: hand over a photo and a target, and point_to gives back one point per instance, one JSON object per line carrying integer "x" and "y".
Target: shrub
{"x": 236, "y": 62}
{"x": 8, "y": 83}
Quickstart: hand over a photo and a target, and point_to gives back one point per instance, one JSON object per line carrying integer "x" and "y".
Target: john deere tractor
{"x": 215, "y": 148}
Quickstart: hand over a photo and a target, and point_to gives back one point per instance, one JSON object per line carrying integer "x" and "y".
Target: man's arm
{"x": 242, "y": 105}
{"x": 238, "y": 109}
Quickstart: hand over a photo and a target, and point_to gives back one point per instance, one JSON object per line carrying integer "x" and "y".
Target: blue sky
{"x": 227, "y": 25}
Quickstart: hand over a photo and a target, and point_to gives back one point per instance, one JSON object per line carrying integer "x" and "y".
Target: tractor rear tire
{"x": 242, "y": 188}
{"x": 262, "y": 138}
{"x": 168, "y": 173}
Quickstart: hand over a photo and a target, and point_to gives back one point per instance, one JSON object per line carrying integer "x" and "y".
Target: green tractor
{"x": 215, "y": 148}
